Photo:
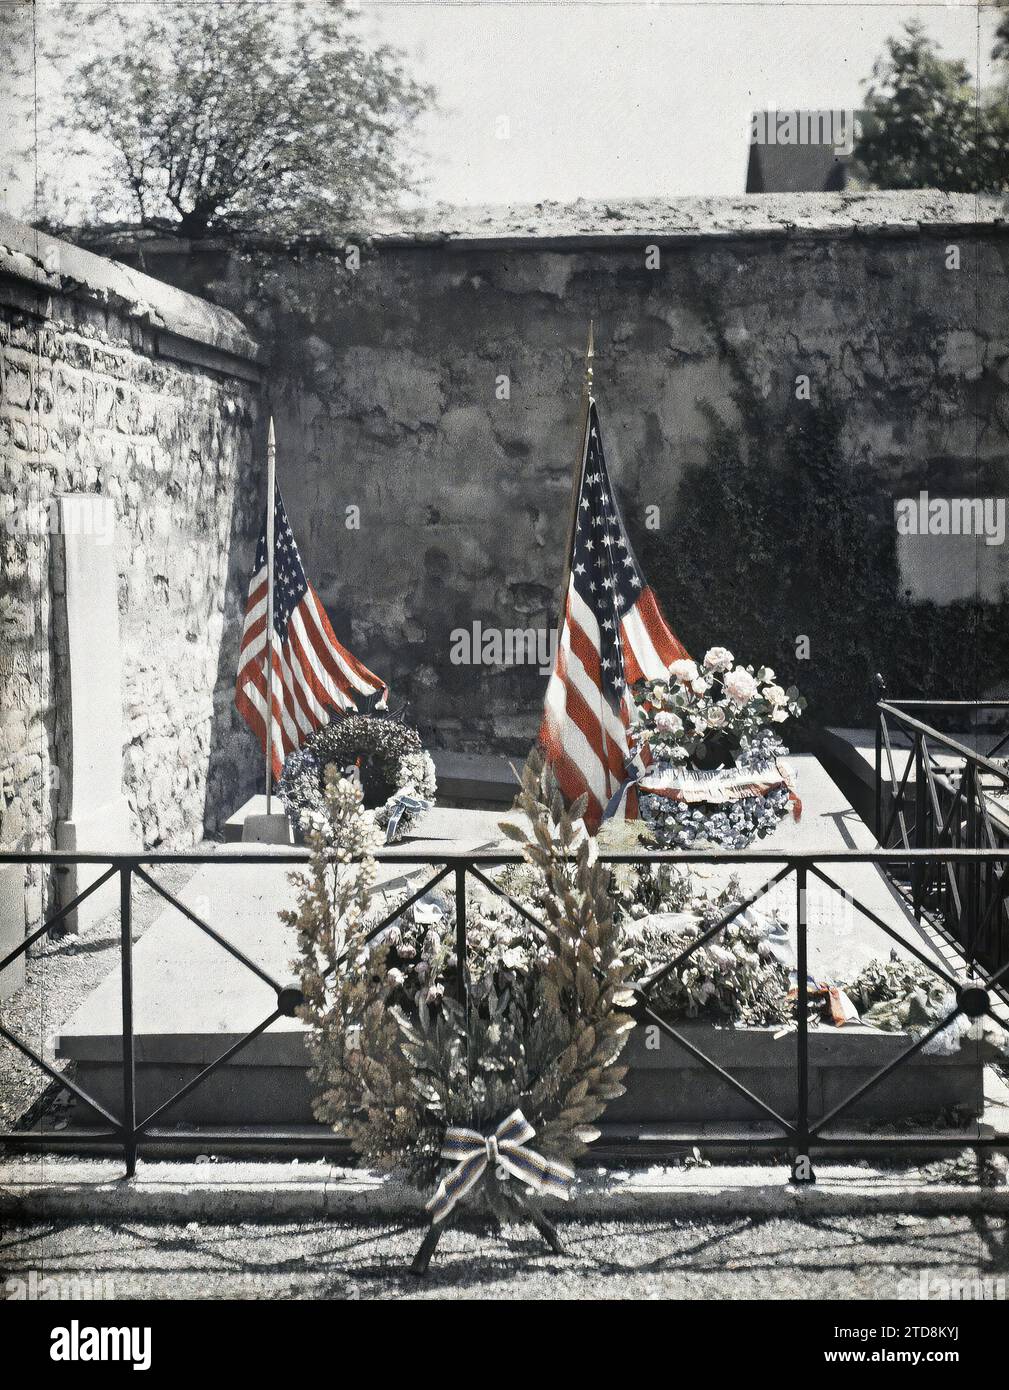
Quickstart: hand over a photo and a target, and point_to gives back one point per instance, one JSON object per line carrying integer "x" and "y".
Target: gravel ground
{"x": 870, "y": 1258}
{"x": 60, "y": 973}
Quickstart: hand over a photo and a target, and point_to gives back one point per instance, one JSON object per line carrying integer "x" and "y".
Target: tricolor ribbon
{"x": 505, "y": 1148}
{"x": 404, "y": 802}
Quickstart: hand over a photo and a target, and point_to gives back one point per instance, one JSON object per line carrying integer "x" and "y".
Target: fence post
{"x": 878, "y": 809}
{"x": 920, "y": 828}
{"x": 129, "y": 1060}
{"x": 461, "y": 950}
{"x": 802, "y": 1165}
{"x": 968, "y": 937}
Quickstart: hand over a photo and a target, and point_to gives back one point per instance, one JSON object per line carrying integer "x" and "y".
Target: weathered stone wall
{"x": 112, "y": 383}
{"x": 388, "y": 396}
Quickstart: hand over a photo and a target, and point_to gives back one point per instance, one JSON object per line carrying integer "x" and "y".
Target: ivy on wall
{"x": 781, "y": 536}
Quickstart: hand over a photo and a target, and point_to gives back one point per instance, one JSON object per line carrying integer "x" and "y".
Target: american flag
{"x": 613, "y": 634}
{"x": 312, "y": 672}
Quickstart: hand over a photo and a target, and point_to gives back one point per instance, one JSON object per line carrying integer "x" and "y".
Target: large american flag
{"x": 312, "y": 673}
{"x": 613, "y": 634}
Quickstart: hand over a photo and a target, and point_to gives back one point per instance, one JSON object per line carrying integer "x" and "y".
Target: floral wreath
{"x": 397, "y": 776}
{"x": 503, "y": 1089}
{"x": 716, "y": 772}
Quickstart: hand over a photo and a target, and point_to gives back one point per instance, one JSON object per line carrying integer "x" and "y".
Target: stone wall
{"x": 389, "y": 396}
{"x": 113, "y": 383}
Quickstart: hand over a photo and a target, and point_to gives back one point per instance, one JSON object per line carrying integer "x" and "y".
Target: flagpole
{"x": 271, "y": 510}
{"x": 576, "y": 478}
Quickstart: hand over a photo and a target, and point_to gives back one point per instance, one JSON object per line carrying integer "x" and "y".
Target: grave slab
{"x": 194, "y": 1000}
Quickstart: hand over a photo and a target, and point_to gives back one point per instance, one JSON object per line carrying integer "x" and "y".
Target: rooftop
{"x": 598, "y": 222}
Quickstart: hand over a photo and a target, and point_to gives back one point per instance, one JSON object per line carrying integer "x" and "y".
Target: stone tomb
{"x": 193, "y": 1000}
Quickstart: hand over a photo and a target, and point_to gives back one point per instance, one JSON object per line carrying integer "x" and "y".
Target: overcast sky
{"x": 602, "y": 98}
{"x": 610, "y": 99}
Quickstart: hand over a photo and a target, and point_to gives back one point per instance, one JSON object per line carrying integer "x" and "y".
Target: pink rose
{"x": 740, "y": 686}
{"x": 684, "y": 670}
{"x": 718, "y": 659}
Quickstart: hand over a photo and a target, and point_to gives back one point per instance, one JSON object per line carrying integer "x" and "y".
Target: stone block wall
{"x": 432, "y": 381}
{"x": 112, "y": 383}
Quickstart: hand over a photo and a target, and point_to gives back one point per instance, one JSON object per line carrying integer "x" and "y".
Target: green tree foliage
{"x": 927, "y": 126}
{"x": 247, "y": 116}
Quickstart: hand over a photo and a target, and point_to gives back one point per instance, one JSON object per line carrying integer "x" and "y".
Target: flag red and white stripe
{"x": 314, "y": 676}
{"x": 613, "y": 634}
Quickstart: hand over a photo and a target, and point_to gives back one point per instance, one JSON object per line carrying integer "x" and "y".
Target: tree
{"x": 245, "y": 116}
{"x": 927, "y": 126}
{"x": 17, "y": 155}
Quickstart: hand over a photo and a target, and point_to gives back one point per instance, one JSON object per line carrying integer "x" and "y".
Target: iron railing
{"x": 799, "y": 1133}
{"x": 947, "y": 796}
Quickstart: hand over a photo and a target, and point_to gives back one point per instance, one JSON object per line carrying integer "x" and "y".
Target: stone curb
{"x": 223, "y": 1193}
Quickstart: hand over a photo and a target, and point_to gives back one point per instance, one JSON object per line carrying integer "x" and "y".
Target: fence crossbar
{"x": 896, "y": 792}
{"x": 208, "y": 1070}
{"x": 884, "y": 1072}
{"x": 197, "y": 921}
{"x": 720, "y": 925}
{"x": 878, "y": 922}
{"x": 58, "y": 1077}
{"x": 523, "y": 912}
{"x": 390, "y": 918}
{"x": 55, "y": 919}
{"x": 646, "y": 1011}
{"x": 945, "y": 829}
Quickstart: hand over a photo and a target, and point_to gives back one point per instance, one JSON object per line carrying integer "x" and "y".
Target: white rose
{"x": 718, "y": 659}
{"x": 740, "y": 686}
{"x": 684, "y": 670}
{"x": 779, "y": 715}
{"x": 700, "y": 686}
{"x": 667, "y": 723}
{"x": 716, "y": 717}
{"x": 774, "y": 694}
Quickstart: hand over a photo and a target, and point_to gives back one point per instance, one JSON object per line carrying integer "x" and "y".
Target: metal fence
{"x": 798, "y": 1133}
{"x": 947, "y": 796}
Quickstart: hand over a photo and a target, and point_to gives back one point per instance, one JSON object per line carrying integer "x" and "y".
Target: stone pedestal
{"x": 95, "y": 813}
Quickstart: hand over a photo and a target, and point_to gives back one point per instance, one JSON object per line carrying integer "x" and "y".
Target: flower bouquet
{"x": 714, "y": 758}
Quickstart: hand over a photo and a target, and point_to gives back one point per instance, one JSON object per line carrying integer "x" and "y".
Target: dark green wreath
{"x": 376, "y": 746}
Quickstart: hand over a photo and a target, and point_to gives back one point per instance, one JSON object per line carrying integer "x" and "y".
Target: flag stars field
{"x": 612, "y": 635}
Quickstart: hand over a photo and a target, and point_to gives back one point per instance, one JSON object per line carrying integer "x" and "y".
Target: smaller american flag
{"x": 312, "y": 673}
{"x": 613, "y": 634}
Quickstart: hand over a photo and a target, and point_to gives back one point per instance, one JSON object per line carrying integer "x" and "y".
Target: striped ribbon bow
{"x": 506, "y": 1149}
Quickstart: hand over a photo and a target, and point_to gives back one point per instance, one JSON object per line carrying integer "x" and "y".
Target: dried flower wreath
{"x": 503, "y": 1081}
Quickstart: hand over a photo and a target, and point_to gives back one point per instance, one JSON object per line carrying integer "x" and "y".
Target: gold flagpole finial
{"x": 589, "y": 355}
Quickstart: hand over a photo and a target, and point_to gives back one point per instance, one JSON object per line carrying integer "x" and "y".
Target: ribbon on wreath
{"x": 403, "y": 802}
{"x": 720, "y": 785}
{"x": 505, "y": 1148}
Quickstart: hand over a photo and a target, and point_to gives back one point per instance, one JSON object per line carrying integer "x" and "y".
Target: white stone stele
{"x": 99, "y": 814}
